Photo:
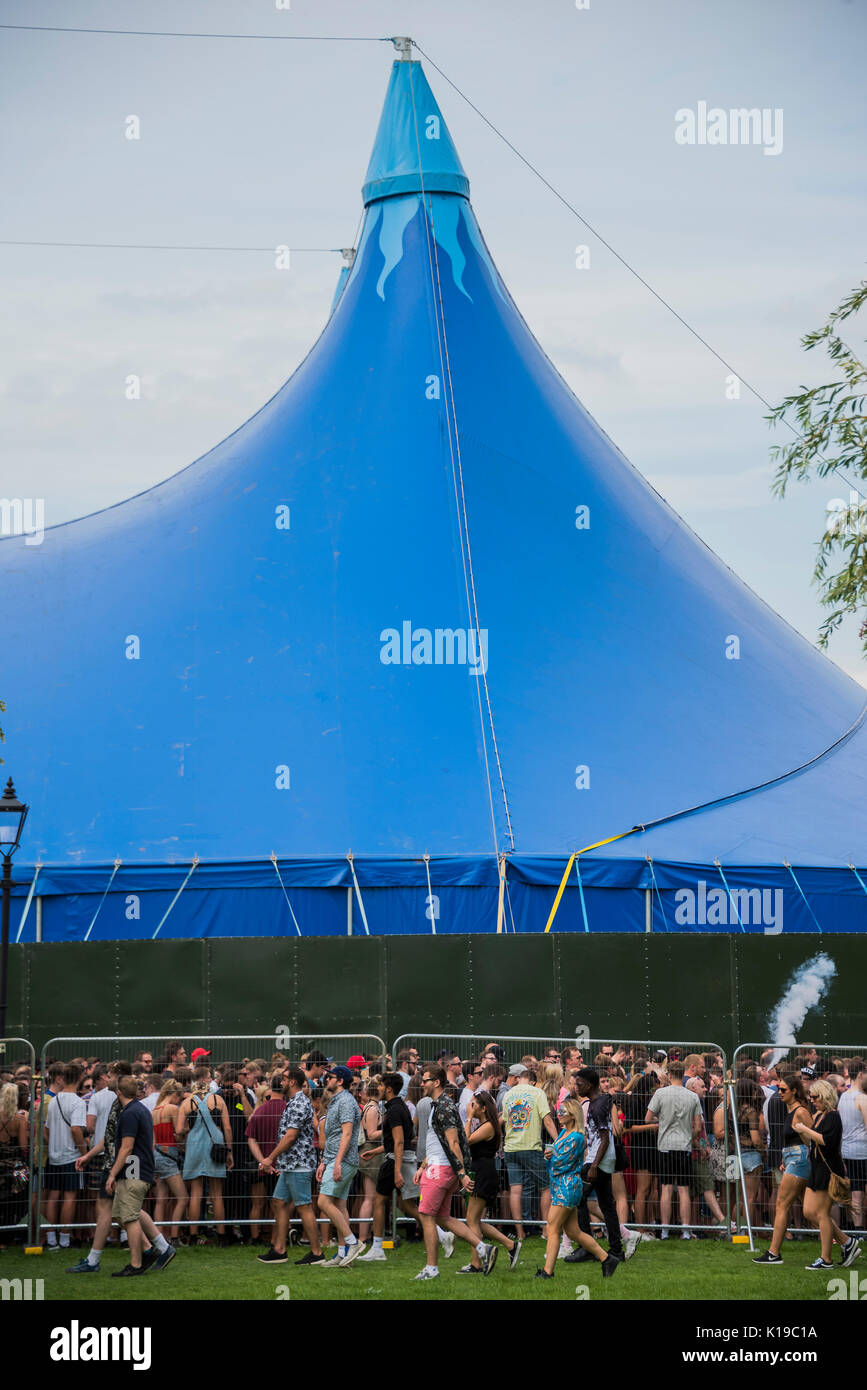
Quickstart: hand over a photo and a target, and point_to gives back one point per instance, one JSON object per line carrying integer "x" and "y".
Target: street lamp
{"x": 13, "y": 814}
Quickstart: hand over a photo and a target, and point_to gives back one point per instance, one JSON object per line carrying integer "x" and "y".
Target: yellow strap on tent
{"x": 572, "y": 858}
{"x": 500, "y": 906}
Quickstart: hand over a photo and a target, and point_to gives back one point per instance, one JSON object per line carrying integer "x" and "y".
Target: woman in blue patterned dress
{"x": 564, "y": 1171}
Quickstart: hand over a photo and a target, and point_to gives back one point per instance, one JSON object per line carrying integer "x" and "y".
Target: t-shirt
{"x": 422, "y": 1118}
{"x": 300, "y": 1157}
{"x": 444, "y": 1117}
{"x": 99, "y": 1103}
{"x": 65, "y": 1109}
{"x": 135, "y": 1122}
{"x": 343, "y": 1109}
{"x": 404, "y": 1084}
{"x": 264, "y": 1124}
{"x": 524, "y": 1109}
{"x": 597, "y": 1123}
{"x": 150, "y": 1102}
{"x": 397, "y": 1116}
{"x": 465, "y": 1102}
{"x": 675, "y": 1108}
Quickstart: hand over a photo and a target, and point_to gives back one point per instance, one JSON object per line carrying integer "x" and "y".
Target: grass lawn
{"x": 669, "y": 1271}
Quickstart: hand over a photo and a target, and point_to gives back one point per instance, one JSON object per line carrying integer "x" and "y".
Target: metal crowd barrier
{"x": 780, "y": 1052}
{"x": 471, "y": 1046}
{"x": 222, "y": 1048}
{"x": 14, "y": 1053}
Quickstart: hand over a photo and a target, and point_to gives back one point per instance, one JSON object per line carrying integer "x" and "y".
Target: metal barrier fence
{"x": 16, "y": 1165}
{"x": 225, "y": 1054}
{"x": 637, "y": 1185}
{"x": 766, "y": 1057}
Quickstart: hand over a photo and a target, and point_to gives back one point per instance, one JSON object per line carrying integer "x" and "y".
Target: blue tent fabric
{"x": 419, "y": 602}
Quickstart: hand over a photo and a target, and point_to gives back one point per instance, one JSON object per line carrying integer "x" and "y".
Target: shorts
{"x": 796, "y": 1161}
{"x": 751, "y": 1159}
{"x": 329, "y": 1187}
{"x": 295, "y": 1187}
{"x": 61, "y": 1177}
{"x": 856, "y": 1169}
{"x": 410, "y": 1190}
{"x": 385, "y": 1177}
{"x": 527, "y": 1167}
{"x": 438, "y": 1186}
{"x": 675, "y": 1167}
{"x": 129, "y": 1194}
{"x": 701, "y": 1178}
{"x": 165, "y": 1165}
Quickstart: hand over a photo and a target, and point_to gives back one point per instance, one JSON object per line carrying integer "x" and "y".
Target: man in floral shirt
{"x": 444, "y": 1172}
{"x": 294, "y": 1160}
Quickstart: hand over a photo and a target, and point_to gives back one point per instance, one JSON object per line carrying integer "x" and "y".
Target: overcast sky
{"x": 254, "y": 144}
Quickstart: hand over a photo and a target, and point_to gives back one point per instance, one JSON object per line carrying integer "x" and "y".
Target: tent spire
{"x": 404, "y": 48}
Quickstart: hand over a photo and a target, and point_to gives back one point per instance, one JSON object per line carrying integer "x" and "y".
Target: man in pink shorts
{"x": 442, "y": 1173}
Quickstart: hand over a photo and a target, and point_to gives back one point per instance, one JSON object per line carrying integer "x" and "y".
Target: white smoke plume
{"x": 806, "y": 988}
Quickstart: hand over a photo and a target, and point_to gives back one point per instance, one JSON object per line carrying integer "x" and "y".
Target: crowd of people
{"x": 346, "y": 1157}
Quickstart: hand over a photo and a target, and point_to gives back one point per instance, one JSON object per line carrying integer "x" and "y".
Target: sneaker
{"x": 577, "y": 1257}
{"x": 165, "y": 1258}
{"x": 515, "y": 1252}
{"x": 851, "y": 1251}
{"x": 272, "y": 1257}
{"x": 470, "y": 1269}
{"x": 311, "y": 1259}
{"x": 429, "y": 1273}
{"x": 127, "y": 1273}
{"x": 336, "y": 1259}
{"x": 448, "y": 1244}
{"x": 663, "y": 1235}
{"x": 767, "y": 1259}
{"x": 489, "y": 1259}
{"x": 149, "y": 1257}
{"x": 353, "y": 1253}
{"x": 566, "y": 1248}
{"x": 541, "y": 1274}
{"x": 686, "y": 1235}
{"x": 632, "y": 1243}
{"x": 609, "y": 1267}
{"x": 820, "y": 1264}
{"x": 55, "y": 1249}
{"x": 647, "y": 1235}
{"x": 83, "y": 1267}
{"x": 375, "y": 1252}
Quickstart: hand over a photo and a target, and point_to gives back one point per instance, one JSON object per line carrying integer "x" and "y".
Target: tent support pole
{"x": 648, "y": 911}
{"x": 349, "y": 912}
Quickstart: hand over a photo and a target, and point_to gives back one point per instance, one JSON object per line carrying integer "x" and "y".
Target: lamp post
{"x": 13, "y": 814}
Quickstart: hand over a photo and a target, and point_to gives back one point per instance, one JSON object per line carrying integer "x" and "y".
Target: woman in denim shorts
{"x": 166, "y": 1165}
{"x": 795, "y": 1166}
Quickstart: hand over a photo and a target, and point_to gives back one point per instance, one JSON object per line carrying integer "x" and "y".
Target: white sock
{"x": 160, "y": 1243}
{"x": 442, "y": 1236}
{"x": 51, "y": 1238}
{"x": 481, "y": 1248}
{"x": 351, "y": 1239}
{"x": 432, "y": 1269}
{"x": 123, "y": 1237}
{"x": 625, "y": 1232}
{"x": 377, "y": 1242}
{"x": 93, "y": 1257}
{"x": 64, "y": 1242}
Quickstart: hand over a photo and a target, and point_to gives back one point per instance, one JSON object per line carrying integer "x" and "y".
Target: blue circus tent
{"x": 411, "y": 637}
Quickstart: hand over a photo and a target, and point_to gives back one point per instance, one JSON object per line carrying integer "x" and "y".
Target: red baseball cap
{"x": 357, "y": 1062}
{"x": 199, "y": 1052}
